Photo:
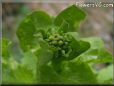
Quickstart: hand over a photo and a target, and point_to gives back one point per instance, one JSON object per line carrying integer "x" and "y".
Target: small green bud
{"x": 51, "y": 38}
{"x": 66, "y": 43}
{"x": 54, "y": 42}
{"x": 60, "y": 42}
{"x": 60, "y": 37}
{"x": 63, "y": 52}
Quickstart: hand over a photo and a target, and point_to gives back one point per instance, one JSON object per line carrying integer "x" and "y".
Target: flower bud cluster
{"x": 58, "y": 41}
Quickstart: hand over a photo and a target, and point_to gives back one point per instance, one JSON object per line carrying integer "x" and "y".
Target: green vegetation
{"x": 53, "y": 52}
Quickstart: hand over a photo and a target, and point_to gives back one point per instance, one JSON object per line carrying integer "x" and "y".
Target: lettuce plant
{"x": 54, "y": 53}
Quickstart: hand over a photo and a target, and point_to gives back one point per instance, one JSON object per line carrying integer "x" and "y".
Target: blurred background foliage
{"x": 99, "y": 21}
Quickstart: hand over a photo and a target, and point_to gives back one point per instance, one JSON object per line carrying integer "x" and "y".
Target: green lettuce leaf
{"x": 79, "y": 72}
{"x": 97, "y": 52}
{"x": 70, "y": 18}
{"x": 5, "y": 47}
{"x": 31, "y": 28}
{"x": 105, "y": 75}
{"x": 78, "y": 46}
